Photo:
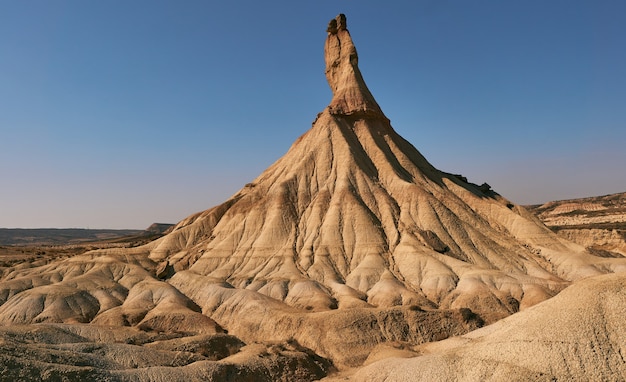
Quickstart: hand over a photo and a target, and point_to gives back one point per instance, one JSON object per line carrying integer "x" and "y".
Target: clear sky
{"x": 118, "y": 114}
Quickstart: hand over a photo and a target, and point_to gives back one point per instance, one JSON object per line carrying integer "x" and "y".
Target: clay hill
{"x": 349, "y": 250}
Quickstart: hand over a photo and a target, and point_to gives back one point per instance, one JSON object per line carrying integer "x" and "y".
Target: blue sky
{"x": 118, "y": 114}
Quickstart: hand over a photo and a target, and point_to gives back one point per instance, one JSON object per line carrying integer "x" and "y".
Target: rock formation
{"x": 349, "y": 241}
{"x": 354, "y": 216}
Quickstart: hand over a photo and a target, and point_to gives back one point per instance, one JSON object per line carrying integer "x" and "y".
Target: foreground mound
{"x": 60, "y": 352}
{"x": 575, "y": 336}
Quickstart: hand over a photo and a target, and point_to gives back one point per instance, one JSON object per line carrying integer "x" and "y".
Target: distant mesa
{"x": 597, "y": 223}
{"x": 159, "y": 228}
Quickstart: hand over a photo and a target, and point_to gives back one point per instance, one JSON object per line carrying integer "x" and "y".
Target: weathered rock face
{"x": 350, "y": 240}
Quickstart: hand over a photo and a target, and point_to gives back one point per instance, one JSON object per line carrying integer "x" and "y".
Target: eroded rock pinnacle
{"x": 350, "y": 94}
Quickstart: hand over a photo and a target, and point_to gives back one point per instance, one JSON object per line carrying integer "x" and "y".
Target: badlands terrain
{"x": 349, "y": 258}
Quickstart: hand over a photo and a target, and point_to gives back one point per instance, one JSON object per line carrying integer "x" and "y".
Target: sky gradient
{"x": 118, "y": 114}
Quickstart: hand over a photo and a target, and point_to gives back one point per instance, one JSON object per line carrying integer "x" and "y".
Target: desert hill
{"x": 350, "y": 241}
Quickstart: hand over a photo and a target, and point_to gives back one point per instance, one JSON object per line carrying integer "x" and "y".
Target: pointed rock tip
{"x": 350, "y": 93}
{"x": 336, "y": 24}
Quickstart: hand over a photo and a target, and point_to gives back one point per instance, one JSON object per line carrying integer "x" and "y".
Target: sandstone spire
{"x": 350, "y": 94}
